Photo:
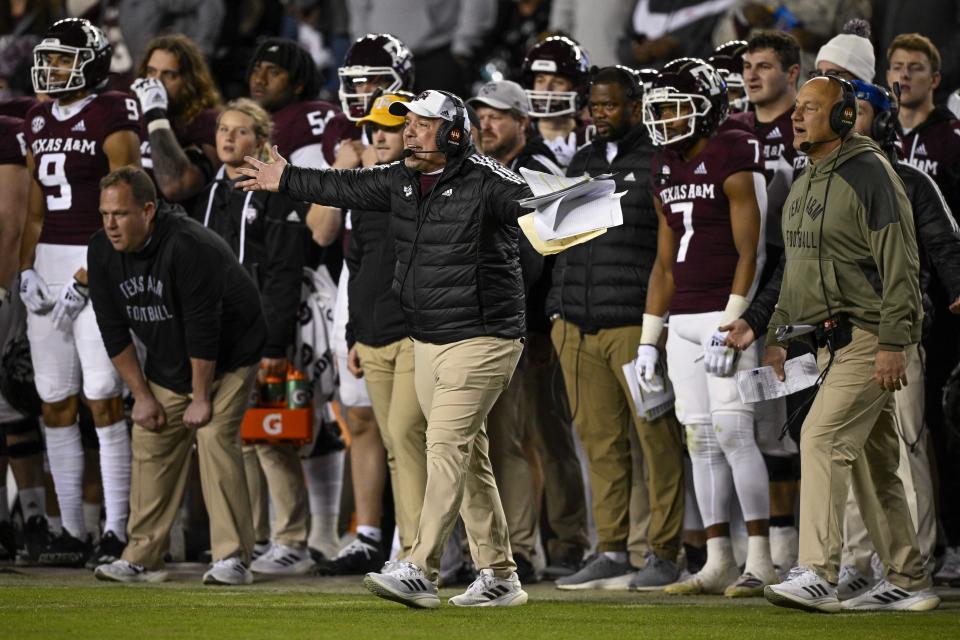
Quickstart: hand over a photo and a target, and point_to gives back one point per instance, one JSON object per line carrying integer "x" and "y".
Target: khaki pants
{"x": 544, "y": 410}
{"x": 506, "y": 431}
{"x": 160, "y": 471}
{"x": 603, "y": 415}
{"x": 389, "y": 373}
{"x": 849, "y": 436}
{"x": 457, "y": 384}
{"x": 914, "y": 471}
{"x": 282, "y": 476}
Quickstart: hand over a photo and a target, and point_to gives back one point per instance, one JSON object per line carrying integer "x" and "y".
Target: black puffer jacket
{"x": 376, "y": 318}
{"x": 603, "y": 283}
{"x": 458, "y": 263}
{"x": 938, "y": 241}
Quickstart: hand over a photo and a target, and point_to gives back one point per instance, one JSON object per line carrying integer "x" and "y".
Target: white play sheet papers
{"x": 756, "y": 385}
{"x": 568, "y": 211}
{"x": 650, "y": 405}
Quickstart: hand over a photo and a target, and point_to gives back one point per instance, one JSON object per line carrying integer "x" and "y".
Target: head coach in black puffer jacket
{"x": 597, "y": 302}
{"x": 460, "y": 287}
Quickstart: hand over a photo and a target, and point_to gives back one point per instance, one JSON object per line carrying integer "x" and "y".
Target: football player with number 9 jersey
{"x": 710, "y": 197}
{"x": 72, "y": 141}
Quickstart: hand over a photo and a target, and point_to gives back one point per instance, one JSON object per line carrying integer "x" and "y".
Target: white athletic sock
{"x": 616, "y": 556}
{"x": 324, "y": 477}
{"x": 115, "y": 471}
{"x": 91, "y": 518}
{"x": 4, "y": 505}
{"x": 33, "y": 501}
{"x": 759, "y": 562}
{"x": 719, "y": 554}
{"x": 367, "y": 531}
{"x": 65, "y": 454}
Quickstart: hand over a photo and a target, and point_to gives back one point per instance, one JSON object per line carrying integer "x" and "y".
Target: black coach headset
{"x": 453, "y": 135}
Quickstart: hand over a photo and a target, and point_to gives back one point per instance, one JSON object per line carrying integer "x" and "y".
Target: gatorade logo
{"x": 273, "y": 424}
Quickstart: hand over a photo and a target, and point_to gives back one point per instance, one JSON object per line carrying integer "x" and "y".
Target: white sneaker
{"x": 803, "y": 589}
{"x": 229, "y": 571}
{"x": 123, "y": 571}
{"x": 407, "y": 584}
{"x": 490, "y": 591}
{"x": 852, "y": 583}
{"x": 709, "y": 580}
{"x": 889, "y": 597}
{"x": 282, "y": 560}
{"x": 260, "y": 548}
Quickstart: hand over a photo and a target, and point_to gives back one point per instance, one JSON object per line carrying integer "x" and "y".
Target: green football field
{"x": 37, "y": 603}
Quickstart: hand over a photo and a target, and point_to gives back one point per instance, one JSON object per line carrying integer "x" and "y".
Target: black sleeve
{"x": 505, "y": 190}
{"x": 367, "y": 188}
{"x": 531, "y": 263}
{"x": 199, "y": 280}
{"x": 284, "y": 271}
{"x": 114, "y": 328}
{"x": 760, "y": 311}
{"x": 937, "y": 232}
{"x": 354, "y": 259}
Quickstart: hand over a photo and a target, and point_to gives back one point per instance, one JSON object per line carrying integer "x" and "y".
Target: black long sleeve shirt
{"x": 184, "y": 295}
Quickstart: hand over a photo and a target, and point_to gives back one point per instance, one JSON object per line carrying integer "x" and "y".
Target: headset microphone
{"x": 806, "y": 146}
{"x": 408, "y": 153}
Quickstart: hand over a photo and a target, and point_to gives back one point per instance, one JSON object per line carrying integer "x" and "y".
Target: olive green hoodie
{"x": 862, "y": 241}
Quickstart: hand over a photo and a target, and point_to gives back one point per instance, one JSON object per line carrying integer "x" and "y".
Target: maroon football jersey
{"x": 776, "y": 140}
{"x": 13, "y": 144}
{"x": 301, "y": 124}
{"x": 198, "y": 132}
{"x": 69, "y": 161}
{"x": 934, "y": 148}
{"x": 698, "y": 212}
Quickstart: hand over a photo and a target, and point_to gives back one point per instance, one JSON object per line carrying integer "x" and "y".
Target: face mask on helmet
{"x": 664, "y": 109}
{"x": 546, "y": 103}
{"x": 75, "y": 55}
{"x": 358, "y": 85}
{"x": 736, "y": 91}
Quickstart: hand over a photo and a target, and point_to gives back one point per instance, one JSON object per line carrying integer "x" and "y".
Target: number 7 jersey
{"x": 69, "y": 161}
{"x": 698, "y": 212}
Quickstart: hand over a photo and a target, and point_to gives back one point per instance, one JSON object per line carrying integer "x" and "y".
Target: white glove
{"x": 646, "y": 367}
{"x": 719, "y": 359}
{"x": 151, "y": 93}
{"x": 34, "y": 293}
{"x": 73, "y": 297}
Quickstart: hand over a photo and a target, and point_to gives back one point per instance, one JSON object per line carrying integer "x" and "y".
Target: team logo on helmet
{"x": 687, "y": 99}
{"x": 375, "y": 62}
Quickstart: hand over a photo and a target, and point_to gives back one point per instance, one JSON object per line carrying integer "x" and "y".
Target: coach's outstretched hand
{"x": 263, "y": 176}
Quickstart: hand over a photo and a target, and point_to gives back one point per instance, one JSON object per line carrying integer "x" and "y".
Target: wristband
{"x": 82, "y": 288}
{"x": 652, "y": 328}
{"x": 736, "y": 305}
{"x": 158, "y": 123}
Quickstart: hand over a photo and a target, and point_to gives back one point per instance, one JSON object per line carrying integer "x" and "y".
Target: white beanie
{"x": 853, "y": 53}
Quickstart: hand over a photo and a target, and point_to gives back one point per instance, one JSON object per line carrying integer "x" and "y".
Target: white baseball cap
{"x": 431, "y": 104}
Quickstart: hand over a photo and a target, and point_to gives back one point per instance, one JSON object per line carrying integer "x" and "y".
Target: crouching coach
{"x": 178, "y": 287}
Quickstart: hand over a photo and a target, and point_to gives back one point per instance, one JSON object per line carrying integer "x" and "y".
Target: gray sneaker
{"x": 600, "y": 573}
{"x": 655, "y": 575}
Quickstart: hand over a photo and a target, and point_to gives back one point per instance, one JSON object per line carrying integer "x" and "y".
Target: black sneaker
{"x": 107, "y": 551}
{"x": 360, "y": 557}
{"x": 317, "y": 556}
{"x": 64, "y": 551}
{"x": 8, "y": 541}
{"x": 560, "y": 568}
{"x": 36, "y": 538}
{"x": 525, "y": 570}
